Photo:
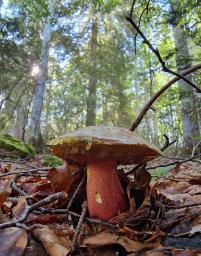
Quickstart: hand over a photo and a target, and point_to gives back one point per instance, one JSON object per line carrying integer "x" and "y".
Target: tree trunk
{"x": 190, "y": 123}
{"x": 91, "y": 101}
{"x": 37, "y": 105}
{"x": 123, "y": 116}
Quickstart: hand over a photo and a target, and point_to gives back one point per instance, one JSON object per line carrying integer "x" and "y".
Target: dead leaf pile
{"x": 163, "y": 219}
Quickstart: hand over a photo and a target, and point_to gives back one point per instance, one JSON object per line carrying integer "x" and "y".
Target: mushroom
{"x": 101, "y": 149}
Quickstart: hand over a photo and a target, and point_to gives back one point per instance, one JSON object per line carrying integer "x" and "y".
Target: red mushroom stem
{"x": 106, "y": 198}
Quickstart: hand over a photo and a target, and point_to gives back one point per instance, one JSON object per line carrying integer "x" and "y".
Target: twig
{"x": 132, "y": 8}
{"x": 29, "y": 228}
{"x": 146, "y": 9}
{"x": 21, "y": 162}
{"x": 168, "y": 207}
{"x": 19, "y": 190}
{"x": 165, "y": 226}
{"x": 8, "y": 95}
{"x": 90, "y": 220}
{"x": 173, "y": 163}
{"x": 141, "y": 166}
{"x": 194, "y": 149}
{"x": 32, "y": 207}
{"x": 137, "y": 167}
{"x": 75, "y": 194}
{"x": 78, "y": 228}
{"x": 158, "y": 94}
{"x": 157, "y": 53}
{"x": 167, "y": 142}
{"x": 25, "y": 172}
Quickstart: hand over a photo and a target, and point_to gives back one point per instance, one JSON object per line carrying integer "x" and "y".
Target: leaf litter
{"x": 164, "y": 216}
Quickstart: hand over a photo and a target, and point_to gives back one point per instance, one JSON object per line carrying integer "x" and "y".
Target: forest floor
{"x": 44, "y": 212}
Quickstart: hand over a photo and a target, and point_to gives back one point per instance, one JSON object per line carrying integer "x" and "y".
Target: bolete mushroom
{"x": 102, "y": 149}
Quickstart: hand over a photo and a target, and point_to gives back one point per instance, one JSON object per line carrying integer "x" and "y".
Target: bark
{"x": 91, "y": 101}
{"x": 1, "y": 2}
{"x": 153, "y": 115}
{"x": 37, "y": 104}
{"x": 21, "y": 119}
{"x": 189, "y": 114}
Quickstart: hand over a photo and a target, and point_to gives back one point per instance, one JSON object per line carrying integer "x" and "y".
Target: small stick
{"x": 173, "y": 163}
{"x": 22, "y": 162}
{"x": 90, "y": 220}
{"x": 78, "y": 228}
{"x": 75, "y": 194}
{"x": 167, "y": 142}
{"x": 25, "y": 172}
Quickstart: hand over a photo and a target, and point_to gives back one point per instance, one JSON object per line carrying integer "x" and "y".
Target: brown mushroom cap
{"x": 98, "y": 142}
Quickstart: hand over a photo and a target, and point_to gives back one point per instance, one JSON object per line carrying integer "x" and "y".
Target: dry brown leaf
{"x": 106, "y": 238}
{"x": 34, "y": 248}
{"x": 61, "y": 177}
{"x": 19, "y": 208}
{"x": 42, "y": 190}
{"x": 187, "y": 252}
{"x": 5, "y": 189}
{"x": 13, "y": 242}
{"x": 182, "y": 186}
{"x": 54, "y": 244}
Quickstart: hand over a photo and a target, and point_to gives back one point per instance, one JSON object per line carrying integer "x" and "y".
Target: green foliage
{"x": 125, "y": 80}
{"x": 52, "y": 161}
{"x": 9, "y": 144}
{"x": 160, "y": 171}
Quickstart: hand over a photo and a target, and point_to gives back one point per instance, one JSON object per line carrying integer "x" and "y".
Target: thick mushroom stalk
{"x": 106, "y": 198}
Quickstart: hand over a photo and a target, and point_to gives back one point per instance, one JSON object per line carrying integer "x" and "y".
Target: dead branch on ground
{"x": 30, "y": 208}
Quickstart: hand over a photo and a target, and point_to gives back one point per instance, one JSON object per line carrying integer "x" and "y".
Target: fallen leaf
{"x": 5, "y": 189}
{"x": 54, "y": 244}
{"x": 61, "y": 177}
{"x": 106, "y": 238}
{"x": 34, "y": 248}
{"x": 13, "y": 242}
{"x": 18, "y": 210}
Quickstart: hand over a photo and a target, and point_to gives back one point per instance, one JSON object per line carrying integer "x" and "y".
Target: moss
{"x": 50, "y": 160}
{"x": 13, "y": 146}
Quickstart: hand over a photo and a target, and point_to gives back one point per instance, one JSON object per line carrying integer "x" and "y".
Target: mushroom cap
{"x": 98, "y": 142}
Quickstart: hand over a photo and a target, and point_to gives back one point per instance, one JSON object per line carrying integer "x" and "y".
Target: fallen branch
{"x": 21, "y": 162}
{"x": 158, "y": 94}
{"x": 30, "y": 208}
{"x": 143, "y": 166}
{"x": 176, "y": 162}
{"x": 75, "y": 193}
{"x": 25, "y": 172}
{"x": 167, "y": 142}
{"x": 78, "y": 228}
{"x": 89, "y": 220}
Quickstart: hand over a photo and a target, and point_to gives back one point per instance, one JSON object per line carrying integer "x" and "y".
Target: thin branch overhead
{"x": 158, "y": 94}
{"x": 156, "y": 51}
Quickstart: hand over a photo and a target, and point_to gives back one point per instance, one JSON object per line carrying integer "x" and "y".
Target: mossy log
{"x": 12, "y": 147}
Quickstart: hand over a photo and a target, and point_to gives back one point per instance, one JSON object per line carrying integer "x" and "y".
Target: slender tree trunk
{"x": 34, "y": 130}
{"x": 123, "y": 116}
{"x": 190, "y": 123}
{"x": 91, "y": 101}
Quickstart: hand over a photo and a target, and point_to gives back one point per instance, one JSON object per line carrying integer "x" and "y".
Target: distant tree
{"x": 37, "y": 104}
{"x": 189, "y": 114}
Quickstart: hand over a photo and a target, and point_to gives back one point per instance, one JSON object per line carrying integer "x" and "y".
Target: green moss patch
{"x": 52, "y": 161}
{"x": 11, "y": 146}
